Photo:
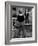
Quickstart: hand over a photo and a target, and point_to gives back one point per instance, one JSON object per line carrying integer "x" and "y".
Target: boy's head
{"x": 20, "y": 11}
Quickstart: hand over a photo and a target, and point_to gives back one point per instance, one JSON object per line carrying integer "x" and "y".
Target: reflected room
{"x": 21, "y": 22}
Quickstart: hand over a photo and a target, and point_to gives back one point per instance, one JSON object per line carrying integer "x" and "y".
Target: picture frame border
{"x": 7, "y": 3}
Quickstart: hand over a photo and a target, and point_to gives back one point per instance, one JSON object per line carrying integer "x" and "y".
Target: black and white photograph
{"x": 20, "y": 22}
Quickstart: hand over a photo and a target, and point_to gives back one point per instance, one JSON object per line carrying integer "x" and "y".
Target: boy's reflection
{"x": 19, "y": 24}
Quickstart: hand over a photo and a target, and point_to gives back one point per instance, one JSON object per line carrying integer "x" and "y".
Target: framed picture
{"x": 20, "y": 22}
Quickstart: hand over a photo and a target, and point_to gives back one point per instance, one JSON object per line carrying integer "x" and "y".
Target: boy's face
{"x": 20, "y": 11}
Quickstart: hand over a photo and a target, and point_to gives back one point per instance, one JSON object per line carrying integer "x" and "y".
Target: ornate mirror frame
{"x": 8, "y": 20}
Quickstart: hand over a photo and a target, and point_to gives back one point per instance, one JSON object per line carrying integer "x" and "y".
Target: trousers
{"x": 20, "y": 32}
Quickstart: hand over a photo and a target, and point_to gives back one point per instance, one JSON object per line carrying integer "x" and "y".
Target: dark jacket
{"x": 20, "y": 18}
